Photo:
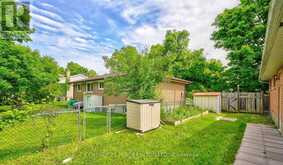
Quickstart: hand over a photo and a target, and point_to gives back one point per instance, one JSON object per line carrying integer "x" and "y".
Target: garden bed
{"x": 182, "y": 114}
{"x": 178, "y": 122}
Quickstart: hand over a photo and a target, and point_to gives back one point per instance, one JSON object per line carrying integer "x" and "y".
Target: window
{"x": 89, "y": 87}
{"x": 79, "y": 88}
{"x": 101, "y": 85}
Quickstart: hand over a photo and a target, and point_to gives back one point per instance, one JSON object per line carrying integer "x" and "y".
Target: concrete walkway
{"x": 261, "y": 145}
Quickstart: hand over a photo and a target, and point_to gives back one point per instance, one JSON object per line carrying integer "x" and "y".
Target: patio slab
{"x": 261, "y": 145}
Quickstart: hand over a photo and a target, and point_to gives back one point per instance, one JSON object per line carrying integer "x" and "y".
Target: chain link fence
{"x": 99, "y": 120}
{"x": 38, "y": 133}
{"x": 46, "y": 130}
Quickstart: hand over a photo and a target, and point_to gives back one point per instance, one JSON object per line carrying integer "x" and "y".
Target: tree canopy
{"x": 142, "y": 72}
{"x": 241, "y": 31}
{"x": 137, "y": 74}
{"x": 76, "y": 68}
{"x": 25, "y": 75}
{"x": 180, "y": 61}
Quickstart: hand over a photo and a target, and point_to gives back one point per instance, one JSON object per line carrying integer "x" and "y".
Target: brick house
{"x": 272, "y": 61}
{"x": 171, "y": 90}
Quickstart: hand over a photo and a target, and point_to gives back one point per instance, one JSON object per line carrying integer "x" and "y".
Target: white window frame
{"x": 99, "y": 85}
{"x": 87, "y": 87}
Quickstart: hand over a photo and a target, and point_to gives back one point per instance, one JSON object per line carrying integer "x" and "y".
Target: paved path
{"x": 261, "y": 145}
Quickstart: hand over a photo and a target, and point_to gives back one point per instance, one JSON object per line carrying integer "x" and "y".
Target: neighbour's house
{"x": 74, "y": 78}
{"x": 171, "y": 91}
{"x": 272, "y": 61}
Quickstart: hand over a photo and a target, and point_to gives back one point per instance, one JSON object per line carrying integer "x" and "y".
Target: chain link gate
{"x": 99, "y": 120}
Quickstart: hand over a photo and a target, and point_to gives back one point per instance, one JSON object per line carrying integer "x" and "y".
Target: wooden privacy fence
{"x": 251, "y": 102}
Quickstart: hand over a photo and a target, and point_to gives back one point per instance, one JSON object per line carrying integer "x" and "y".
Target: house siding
{"x": 107, "y": 100}
{"x": 276, "y": 98}
{"x": 169, "y": 92}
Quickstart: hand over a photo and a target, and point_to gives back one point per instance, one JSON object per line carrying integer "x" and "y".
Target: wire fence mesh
{"x": 50, "y": 129}
{"x": 100, "y": 120}
{"x": 38, "y": 133}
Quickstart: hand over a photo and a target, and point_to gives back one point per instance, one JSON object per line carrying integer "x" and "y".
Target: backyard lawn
{"x": 199, "y": 141}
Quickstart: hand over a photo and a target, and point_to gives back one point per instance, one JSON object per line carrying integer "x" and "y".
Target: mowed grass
{"x": 27, "y": 137}
{"x": 199, "y": 141}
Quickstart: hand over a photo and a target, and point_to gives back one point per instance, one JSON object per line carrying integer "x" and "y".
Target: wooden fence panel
{"x": 251, "y": 102}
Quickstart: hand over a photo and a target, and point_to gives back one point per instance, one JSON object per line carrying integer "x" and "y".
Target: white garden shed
{"x": 143, "y": 115}
{"x": 208, "y": 100}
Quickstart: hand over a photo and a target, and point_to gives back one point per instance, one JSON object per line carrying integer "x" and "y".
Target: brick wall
{"x": 276, "y": 98}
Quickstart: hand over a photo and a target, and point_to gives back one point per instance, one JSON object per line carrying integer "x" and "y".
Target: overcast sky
{"x": 85, "y": 30}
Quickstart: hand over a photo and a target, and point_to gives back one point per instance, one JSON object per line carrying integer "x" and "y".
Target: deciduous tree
{"x": 241, "y": 31}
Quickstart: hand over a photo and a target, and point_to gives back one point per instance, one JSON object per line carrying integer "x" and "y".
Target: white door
{"x": 91, "y": 101}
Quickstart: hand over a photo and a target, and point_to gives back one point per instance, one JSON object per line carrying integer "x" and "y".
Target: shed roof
{"x": 207, "y": 94}
{"x": 144, "y": 101}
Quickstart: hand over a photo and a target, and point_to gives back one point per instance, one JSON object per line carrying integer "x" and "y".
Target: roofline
{"x": 178, "y": 80}
{"x": 270, "y": 33}
{"x": 97, "y": 78}
{"x": 207, "y": 94}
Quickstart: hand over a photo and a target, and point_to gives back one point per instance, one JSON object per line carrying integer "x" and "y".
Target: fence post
{"x": 261, "y": 101}
{"x": 79, "y": 123}
{"x": 109, "y": 119}
{"x": 238, "y": 98}
{"x": 84, "y": 124}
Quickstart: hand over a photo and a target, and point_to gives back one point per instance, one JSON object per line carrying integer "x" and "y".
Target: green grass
{"x": 202, "y": 140}
{"x": 4, "y": 108}
{"x": 26, "y": 137}
{"x": 181, "y": 113}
